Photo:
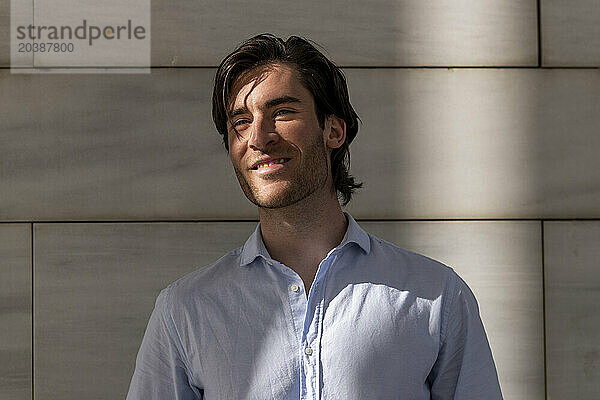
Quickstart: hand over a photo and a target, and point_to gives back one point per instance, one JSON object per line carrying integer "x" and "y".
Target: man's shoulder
{"x": 407, "y": 269}
{"x": 407, "y": 259}
{"x": 207, "y": 278}
{"x": 418, "y": 270}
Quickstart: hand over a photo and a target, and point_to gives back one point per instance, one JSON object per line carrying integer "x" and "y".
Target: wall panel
{"x": 374, "y": 33}
{"x": 572, "y": 278}
{"x": 435, "y": 143}
{"x": 15, "y": 311}
{"x": 112, "y": 147}
{"x": 477, "y": 143}
{"x": 570, "y": 33}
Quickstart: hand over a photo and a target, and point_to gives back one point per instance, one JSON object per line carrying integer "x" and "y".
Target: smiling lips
{"x": 269, "y": 163}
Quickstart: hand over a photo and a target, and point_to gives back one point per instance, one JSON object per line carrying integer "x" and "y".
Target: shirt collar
{"x": 255, "y": 247}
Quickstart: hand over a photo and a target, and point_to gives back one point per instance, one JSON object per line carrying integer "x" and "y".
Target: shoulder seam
{"x": 171, "y": 330}
{"x": 447, "y": 304}
{"x": 407, "y": 251}
{"x": 206, "y": 267}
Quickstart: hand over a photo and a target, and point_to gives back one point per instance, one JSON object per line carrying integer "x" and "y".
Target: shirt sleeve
{"x": 160, "y": 371}
{"x": 464, "y": 369}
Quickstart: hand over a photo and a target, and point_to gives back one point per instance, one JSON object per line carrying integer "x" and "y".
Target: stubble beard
{"x": 310, "y": 177}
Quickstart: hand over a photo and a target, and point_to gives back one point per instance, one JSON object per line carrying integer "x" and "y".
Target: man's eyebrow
{"x": 269, "y": 104}
{"x": 282, "y": 100}
{"x": 237, "y": 111}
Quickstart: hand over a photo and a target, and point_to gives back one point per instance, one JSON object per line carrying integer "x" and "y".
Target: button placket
{"x": 312, "y": 329}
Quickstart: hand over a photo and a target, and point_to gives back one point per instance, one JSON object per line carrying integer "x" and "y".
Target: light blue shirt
{"x": 380, "y": 322}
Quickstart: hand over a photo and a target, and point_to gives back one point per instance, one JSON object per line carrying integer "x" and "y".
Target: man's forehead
{"x": 247, "y": 82}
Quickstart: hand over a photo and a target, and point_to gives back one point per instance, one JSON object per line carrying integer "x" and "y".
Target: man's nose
{"x": 262, "y": 134}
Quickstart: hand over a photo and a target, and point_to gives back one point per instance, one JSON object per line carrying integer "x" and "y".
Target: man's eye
{"x": 282, "y": 112}
{"x": 240, "y": 122}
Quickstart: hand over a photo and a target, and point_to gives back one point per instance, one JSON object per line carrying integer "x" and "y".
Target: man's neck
{"x": 301, "y": 235}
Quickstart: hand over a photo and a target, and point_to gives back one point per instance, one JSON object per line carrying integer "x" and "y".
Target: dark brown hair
{"x": 323, "y": 79}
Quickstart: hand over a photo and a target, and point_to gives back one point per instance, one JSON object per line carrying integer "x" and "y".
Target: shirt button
{"x": 308, "y": 351}
{"x": 295, "y": 288}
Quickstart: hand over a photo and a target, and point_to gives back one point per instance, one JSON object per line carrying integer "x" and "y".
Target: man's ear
{"x": 335, "y": 132}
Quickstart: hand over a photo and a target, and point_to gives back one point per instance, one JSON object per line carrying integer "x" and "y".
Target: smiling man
{"x": 311, "y": 306}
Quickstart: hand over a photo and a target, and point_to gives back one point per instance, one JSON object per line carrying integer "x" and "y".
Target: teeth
{"x": 280, "y": 161}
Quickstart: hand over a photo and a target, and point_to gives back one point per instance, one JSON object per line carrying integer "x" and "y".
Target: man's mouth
{"x": 270, "y": 163}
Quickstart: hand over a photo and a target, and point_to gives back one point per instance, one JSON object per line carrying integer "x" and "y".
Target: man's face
{"x": 279, "y": 153}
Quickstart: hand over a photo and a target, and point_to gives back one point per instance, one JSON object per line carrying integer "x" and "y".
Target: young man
{"x": 311, "y": 306}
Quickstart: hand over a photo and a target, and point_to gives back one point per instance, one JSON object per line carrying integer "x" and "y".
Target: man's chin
{"x": 274, "y": 199}
{"x": 272, "y": 202}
